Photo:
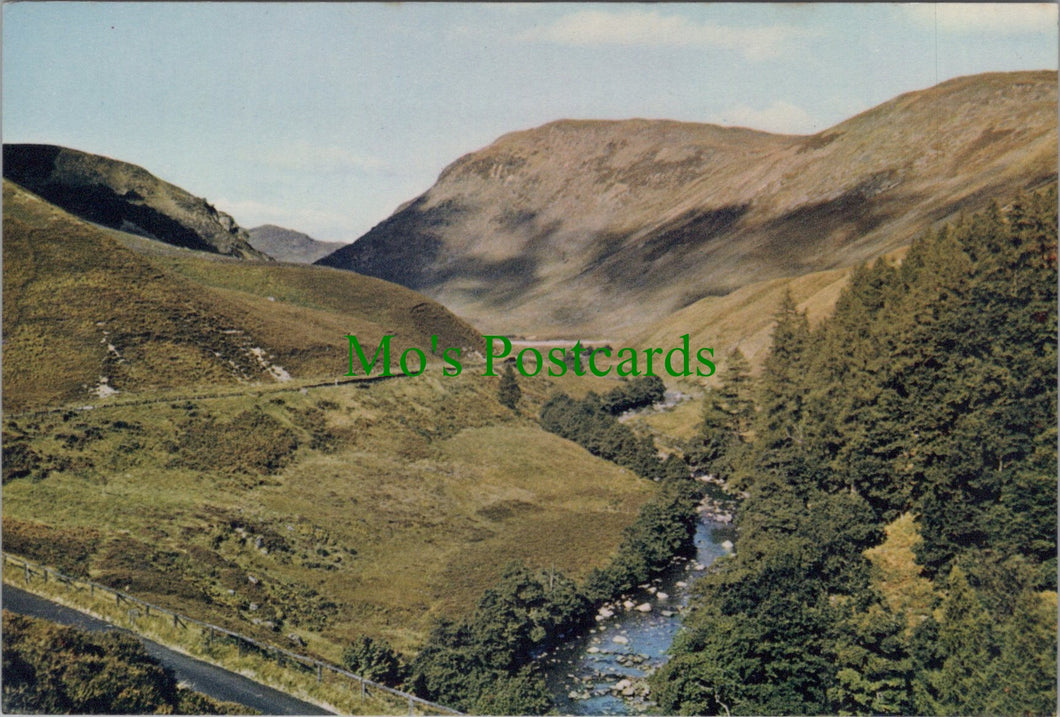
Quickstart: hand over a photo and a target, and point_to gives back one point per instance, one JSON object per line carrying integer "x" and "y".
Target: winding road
{"x": 201, "y": 676}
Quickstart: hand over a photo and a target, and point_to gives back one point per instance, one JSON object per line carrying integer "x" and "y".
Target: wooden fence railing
{"x": 283, "y": 657}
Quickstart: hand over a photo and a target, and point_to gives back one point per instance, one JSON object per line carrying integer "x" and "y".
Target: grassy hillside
{"x": 589, "y": 228}
{"x": 212, "y": 483}
{"x": 334, "y": 513}
{"x": 86, "y": 315}
{"x": 123, "y": 196}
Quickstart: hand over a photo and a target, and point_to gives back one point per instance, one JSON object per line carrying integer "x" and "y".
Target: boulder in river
{"x": 644, "y": 607}
{"x": 620, "y": 640}
{"x": 662, "y": 596}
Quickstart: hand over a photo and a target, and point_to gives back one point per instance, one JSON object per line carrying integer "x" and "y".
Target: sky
{"x": 324, "y": 117}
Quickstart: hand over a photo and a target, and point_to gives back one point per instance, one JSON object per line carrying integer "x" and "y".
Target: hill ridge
{"x": 284, "y": 244}
{"x": 87, "y": 315}
{"x": 125, "y": 196}
{"x": 606, "y": 226}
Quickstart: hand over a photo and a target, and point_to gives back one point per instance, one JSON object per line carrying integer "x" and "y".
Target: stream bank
{"x": 604, "y": 671}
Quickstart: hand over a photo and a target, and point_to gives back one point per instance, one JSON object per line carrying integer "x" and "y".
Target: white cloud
{"x": 319, "y": 159}
{"x": 993, "y": 18}
{"x": 650, "y": 28}
{"x": 780, "y": 117}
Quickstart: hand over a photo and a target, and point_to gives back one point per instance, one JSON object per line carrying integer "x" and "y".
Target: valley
{"x": 179, "y": 423}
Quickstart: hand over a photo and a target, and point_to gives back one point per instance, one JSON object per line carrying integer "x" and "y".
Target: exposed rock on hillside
{"x": 123, "y": 196}
{"x": 601, "y": 228}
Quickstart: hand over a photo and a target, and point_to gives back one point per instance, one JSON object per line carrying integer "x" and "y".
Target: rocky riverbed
{"x": 606, "y": 670}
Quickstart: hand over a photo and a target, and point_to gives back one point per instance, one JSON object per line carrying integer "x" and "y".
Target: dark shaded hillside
{"x": 602, "y": 228}
{"x": 126, "y": 197}
{"x": 85, "y": 316}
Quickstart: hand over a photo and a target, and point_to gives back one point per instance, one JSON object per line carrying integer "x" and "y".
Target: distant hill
{"x": 84, "y": 315}
{"x": 288, "y": 245}
{"x": 124, "y": 196}
{"x": 603, "y": 228}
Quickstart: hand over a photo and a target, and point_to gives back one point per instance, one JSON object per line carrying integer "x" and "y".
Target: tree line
{"x": 931, "y": 391}
{"x": 485, "y": 663}
{"x": 591, "y": 423}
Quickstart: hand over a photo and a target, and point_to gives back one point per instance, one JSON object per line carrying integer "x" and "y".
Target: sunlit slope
{"x": 744, "y": 318}
{"x": 85, "y": 316}
{"x": 594, "y": 228}
{"x": 349, "y": 510}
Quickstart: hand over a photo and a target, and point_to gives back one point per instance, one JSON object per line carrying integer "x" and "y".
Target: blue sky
{"x": 325, "y": 117}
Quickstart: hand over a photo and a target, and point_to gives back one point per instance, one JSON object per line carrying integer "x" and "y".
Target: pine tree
{"x": 726, "y": 417}
{"x": 961, "y": 683}
{"x": 736, "y": 391}
{"x": 509, "y": 392}
{"x": 779, "y": 428}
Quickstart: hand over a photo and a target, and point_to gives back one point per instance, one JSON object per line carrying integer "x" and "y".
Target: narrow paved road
{"x": 200, "y": 676}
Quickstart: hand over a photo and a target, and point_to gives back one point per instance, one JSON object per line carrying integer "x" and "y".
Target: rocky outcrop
{"x": 126, "y": 197}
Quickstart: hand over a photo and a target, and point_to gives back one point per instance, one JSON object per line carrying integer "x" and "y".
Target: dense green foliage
{"x": 484, "y": 664}
{"x": 375, "y": 660}
{"x": 590, "y": 423}
{"x": 727, "y": 416}
{"x": 53, "y": 670}
{"x": 931, "y": 390}
{"x": 664, "y": 529}
{"x": 509, "y": 393}
{"x": 637, "y": 392}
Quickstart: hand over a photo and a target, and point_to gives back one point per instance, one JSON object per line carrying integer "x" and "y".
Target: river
{"x": 589, "y": 675}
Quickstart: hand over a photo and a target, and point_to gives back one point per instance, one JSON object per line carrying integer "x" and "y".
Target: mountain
{"x": 124, "y": 196}
{"x": 288, "y": 245}
{"x": 602, "y": 228}
{"x": 89, "y": 311}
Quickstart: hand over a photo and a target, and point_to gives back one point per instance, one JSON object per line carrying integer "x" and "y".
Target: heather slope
{"x": 124, "y": 196}
{"x": 593, "y": 227}
{"x": 85, "y": 316}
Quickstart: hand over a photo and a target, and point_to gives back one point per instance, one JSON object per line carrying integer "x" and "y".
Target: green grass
{"x": 332, "y": 692}
{"x": 673, "y": 425}
{"x": 80, "y": 306}
{"x": 272, "y": 508}
{"x": 401, "y": 502}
